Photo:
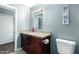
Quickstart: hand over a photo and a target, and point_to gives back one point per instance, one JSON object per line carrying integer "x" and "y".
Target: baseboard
{"x": 5, "y": 42}
{"x": 18, "y": 49}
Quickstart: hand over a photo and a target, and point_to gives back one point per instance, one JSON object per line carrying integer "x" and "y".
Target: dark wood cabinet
{"x": 34, "y": 45}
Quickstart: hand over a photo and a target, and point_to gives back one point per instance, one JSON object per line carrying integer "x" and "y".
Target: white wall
{"x": 52, "y": 22}
{"x": 23, "y": 20}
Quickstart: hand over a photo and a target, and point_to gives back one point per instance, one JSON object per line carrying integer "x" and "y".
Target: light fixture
{"x": 37, "y": 11}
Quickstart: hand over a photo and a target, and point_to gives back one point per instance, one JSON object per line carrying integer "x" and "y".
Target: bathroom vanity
{"x": 35, "y": 42}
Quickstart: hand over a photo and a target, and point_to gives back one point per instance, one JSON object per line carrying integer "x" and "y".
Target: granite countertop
{"x": 37, "y": 34}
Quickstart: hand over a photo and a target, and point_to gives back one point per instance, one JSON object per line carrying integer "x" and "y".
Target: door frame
{"x": 11, "y": 8}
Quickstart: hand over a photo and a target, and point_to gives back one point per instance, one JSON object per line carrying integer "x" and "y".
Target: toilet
{"x": 65, "y": 46}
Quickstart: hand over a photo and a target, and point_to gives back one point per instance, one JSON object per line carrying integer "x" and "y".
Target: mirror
{"x": 39, "y": 20}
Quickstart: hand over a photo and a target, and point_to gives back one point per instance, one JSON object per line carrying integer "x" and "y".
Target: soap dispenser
{"x": 33, "y": 29}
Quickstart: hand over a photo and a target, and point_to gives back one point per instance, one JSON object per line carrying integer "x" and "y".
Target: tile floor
{"x": 7, "y": 48}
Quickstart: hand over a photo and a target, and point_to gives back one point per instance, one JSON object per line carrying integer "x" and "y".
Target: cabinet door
{"x": 38, "y": 49}
{"x": 31, "y": 45}
{"x": 46, "y": 47}
{"x": 27, "y": 43}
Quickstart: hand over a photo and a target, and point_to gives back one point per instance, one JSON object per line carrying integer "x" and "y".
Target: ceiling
{"x": 30, "y": 3}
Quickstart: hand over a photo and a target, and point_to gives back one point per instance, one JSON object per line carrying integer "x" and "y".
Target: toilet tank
{"x": 65, "y": 46}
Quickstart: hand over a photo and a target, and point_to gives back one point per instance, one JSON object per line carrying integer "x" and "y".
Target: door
{"x": 6, "y": 29}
